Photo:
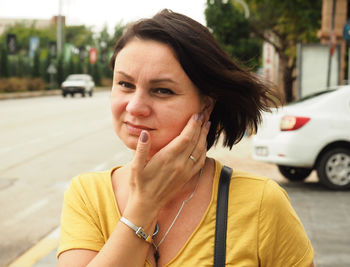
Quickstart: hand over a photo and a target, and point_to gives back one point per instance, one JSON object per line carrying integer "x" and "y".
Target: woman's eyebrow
{"x": 160, "y": 80}
{"x": 152, "y": 81}
{"x": 125, "y": 74}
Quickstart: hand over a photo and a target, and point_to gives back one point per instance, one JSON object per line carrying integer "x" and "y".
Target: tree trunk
{"x": 287, "y": 78}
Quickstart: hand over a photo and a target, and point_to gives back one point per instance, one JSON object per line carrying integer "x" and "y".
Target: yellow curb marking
{"x": 41, "y": 249}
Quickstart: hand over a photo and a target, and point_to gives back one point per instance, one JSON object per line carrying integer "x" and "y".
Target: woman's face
{"x": 151, "y": 92}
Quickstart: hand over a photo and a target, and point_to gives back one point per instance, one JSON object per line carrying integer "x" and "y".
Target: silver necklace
{"x": 177, "y": 215}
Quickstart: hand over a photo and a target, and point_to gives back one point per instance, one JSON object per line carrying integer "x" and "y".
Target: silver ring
{"x": 192, "y": 158}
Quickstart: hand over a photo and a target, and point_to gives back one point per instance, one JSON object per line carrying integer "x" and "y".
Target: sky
{"x": 97, "y": 13}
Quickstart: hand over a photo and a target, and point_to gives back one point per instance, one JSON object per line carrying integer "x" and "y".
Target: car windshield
{"x": 76, "y": 77}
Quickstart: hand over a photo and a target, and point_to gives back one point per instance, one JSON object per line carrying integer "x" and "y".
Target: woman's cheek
{"x": 117, "y": 111}
{"x": 172, "y": 129}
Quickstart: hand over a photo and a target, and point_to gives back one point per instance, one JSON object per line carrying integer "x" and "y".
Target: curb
{"x": 4, "y": 96}
{"x": 40, "y": 250}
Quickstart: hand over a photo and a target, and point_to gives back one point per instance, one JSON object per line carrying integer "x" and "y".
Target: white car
{"x": 78, "y": 83}
{"x": 312, "y": 133}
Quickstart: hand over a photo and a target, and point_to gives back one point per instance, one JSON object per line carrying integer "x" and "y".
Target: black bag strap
{"x": 221, "y": 217}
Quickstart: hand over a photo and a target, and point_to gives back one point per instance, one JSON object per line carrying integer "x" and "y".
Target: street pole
{"x": 330, "y": 44}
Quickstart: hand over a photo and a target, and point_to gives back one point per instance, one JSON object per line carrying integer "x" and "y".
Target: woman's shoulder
{"x": 239, "y": 176}
{"x": 257, "y": 186}
{"x": 91, "y": 180}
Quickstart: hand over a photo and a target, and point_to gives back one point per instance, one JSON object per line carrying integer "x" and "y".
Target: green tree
{"x": 46, "y": 61}
{"x": 3, "y": 61}
{"x": 118, "y": 32}
{"x": 79, "y": 66}
{"x": 21, "y": 67}
{"x": 71, "y": 66}
{"x": 36, "y": 65}
{"x": 90, "y": 69}
{"x": 96, "y": 73}
{"x": 232, "y": 30}
{"x": 79, "y": 36}
{"x": 60, "y": 70}
{"x": 12, "y": 65}
{"x": 290, "y": 22}
{"x": 104, "y": 40}
{"x": 24, "y": 32}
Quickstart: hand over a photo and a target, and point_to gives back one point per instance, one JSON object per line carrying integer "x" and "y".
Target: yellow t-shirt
{"x": 263, "y": 228}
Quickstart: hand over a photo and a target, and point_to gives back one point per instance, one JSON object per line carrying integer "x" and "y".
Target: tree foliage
{"x": 36, "y": 65}
{"x": 79, "y": 36}
{"x": 289, "y": 21}
{"x": 232, "y": 30}
{"x": 76, "y": 38}
{"x": 24, "y": 32}
{"x": 3, "y": 61}
{"x": 118, "y": 32}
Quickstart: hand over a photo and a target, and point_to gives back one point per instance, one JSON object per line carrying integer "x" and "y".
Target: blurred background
{"x": 300, "y": 47}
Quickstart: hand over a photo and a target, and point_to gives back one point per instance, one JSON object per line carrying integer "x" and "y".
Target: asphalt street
{"x": 45, "y": 141}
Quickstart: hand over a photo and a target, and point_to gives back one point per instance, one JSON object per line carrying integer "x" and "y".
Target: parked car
{"x": 78, "y": 83}
{"x": 312, "y": 133}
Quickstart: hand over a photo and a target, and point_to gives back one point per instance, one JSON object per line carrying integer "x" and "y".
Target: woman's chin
{"x": 131, "y": 144}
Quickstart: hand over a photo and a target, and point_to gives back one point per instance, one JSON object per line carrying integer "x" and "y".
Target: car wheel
{"x": 294, "y": 173}
{"x": 83, "y": 94}
{"x": 90, "y": 93}
{"x": 333, "y": 169}
{"x": 64, "y": 94}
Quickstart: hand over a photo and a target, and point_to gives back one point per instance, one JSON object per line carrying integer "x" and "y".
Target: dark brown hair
{"x": 240, "y": 96}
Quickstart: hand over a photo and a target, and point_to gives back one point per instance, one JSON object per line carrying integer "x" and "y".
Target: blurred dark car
{"x": 78, "y": 83}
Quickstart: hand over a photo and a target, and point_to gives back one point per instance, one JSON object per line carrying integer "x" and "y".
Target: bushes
{"x": 14, "y": 84}
{"x": 106, "y": 82}
{"x": 36, "y": 84}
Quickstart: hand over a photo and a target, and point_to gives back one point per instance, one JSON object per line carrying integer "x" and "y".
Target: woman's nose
{"x": 138, "y": 105}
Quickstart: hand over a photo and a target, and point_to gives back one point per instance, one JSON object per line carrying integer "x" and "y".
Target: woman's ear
{"x": 208, "y": 105}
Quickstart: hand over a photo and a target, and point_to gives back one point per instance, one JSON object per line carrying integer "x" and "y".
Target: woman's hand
{"x": 154, "y": 183}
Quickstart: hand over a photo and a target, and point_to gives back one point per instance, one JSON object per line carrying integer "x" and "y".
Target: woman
{"x": 174, "y": 92}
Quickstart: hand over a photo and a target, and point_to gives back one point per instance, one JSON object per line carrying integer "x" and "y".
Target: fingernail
{"x": 207, "y": 125}
{"x": 196, "y": 116}
{"x": 143, "y": 137}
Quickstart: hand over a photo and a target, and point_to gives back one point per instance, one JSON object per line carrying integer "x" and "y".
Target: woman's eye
{"x": 163, "y": 91}
{"x": 126, "y": 85}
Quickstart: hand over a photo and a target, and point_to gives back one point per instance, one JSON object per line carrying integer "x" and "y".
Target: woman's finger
{"x": 142, "y": 150}
{"x": 201, "y": 148}
{"x": 188, "y": 138}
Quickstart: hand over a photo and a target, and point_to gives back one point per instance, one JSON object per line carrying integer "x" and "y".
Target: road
{"x": 46, "y": 141}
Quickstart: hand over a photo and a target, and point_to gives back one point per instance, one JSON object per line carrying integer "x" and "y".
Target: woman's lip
{"x": 140, "y": 127}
